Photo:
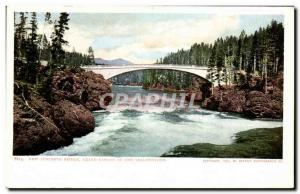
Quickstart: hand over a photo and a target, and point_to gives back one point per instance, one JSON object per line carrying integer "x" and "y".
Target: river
{"x": 139, "y": 132}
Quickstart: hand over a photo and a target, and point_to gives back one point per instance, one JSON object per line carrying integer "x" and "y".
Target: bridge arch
{"x": 189, "y": 72}
{"x": 112, "y": 71}
{"x": 201, "y": 72}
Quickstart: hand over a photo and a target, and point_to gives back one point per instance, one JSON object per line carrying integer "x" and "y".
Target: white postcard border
{"x": 168, "y": 172}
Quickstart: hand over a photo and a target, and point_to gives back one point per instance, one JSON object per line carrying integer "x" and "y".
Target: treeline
{"x": 72, "y": 59}
{"x": 31, "y": 48}
{"x": 156, "y": 79}
{"x": 36, "y": 59}
{"x": 233, "y": 59}
{"x": 129, "y": 78}
{"x": 198, "y": 54}
{"x": 178, "y": 80}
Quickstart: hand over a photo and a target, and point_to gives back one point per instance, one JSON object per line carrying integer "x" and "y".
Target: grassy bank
{"x": 254, "y": 143}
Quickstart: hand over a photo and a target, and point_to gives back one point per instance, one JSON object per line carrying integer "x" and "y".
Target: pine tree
{"x": 219, "y": 60}
{"x": 212, "y": 67}
{"x": 20, "y": 46}
{"x": 58, "y": 41}
{"x": 241, "y": 50}
{"x": 254, "y": 53}
{"x": 91, "y": 56}
{"x": 42, "y": 44}
{"x": 32, "y": 51}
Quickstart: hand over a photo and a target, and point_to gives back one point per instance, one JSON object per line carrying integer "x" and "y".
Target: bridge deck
{"x": 109, "y": 71}
{"x": 154, "y": 66}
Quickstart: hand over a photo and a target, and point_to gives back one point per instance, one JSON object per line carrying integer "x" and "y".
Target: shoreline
{"x": 41, "y": 124}
{"x": 56, "y": 120}
{"x": 235, "y": 100}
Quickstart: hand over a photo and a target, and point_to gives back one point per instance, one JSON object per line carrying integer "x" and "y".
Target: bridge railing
{"x": 144, "y": 66}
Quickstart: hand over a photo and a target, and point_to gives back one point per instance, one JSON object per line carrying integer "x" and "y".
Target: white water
{"x": 138, "y": 133}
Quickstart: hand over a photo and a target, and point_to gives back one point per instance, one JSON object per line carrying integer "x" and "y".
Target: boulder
{"x": 233, "y": 101}
{"x": 252, "y": 104}
{"x": 84, "y": 88}
{"x": 226, "y": 100}
{"x": 40, "y": 125}
{"x": 211, "y": 103}
{"x": 39, "y": 104}
{"x": 260, "y": 105}
{"x": 254, "y": 83}
{"x": 34, "y": 134}
{"x": 74, "y": 119}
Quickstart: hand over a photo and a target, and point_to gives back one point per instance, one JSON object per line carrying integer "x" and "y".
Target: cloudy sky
{"x": 143, "y": 38}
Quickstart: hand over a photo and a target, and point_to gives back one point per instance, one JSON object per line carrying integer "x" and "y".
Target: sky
{"x": 143, "y": 38}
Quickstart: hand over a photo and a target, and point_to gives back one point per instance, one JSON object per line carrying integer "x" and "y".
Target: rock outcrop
{"x": 249, "y": 100}
{"x": 259, "y": 105}
{"x": 227, "y": 100}
{"x": 75, "y": 119}
{"x": 35, "y": 132}
{"x": 40, "y": 125}
{"x": 233, "y": 102}
{"x": 84, "y": 88}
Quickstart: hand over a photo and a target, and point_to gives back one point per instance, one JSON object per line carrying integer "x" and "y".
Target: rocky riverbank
{"x": 41, "y": 125}
{"x": 249, "y": 100}
{"x": 254, "y": 143}
{"x": 200, "y": 88}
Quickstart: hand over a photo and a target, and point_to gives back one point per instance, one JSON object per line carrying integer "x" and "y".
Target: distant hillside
{"x": 119, "y": 61}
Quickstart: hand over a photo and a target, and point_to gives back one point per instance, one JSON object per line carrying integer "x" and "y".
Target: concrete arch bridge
{"x": 109, "y": 71}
